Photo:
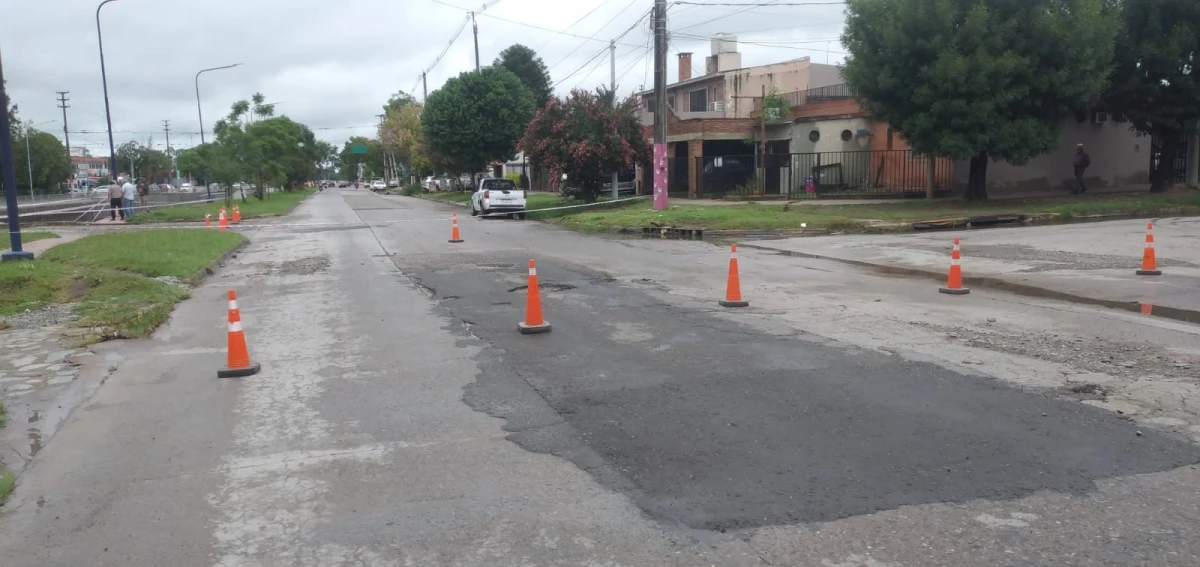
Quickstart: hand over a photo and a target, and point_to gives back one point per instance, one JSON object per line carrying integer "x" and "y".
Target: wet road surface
{"x": 401, "y": 419}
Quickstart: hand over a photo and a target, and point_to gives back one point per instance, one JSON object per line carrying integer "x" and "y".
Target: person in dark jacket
{"x": 1081, "y": 163}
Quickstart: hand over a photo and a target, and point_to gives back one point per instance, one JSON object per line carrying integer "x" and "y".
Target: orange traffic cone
{"x": 454, "y": 237}
{"x": 237, "y": 215}
{"x": 1149, "y": 263}
{"x": 1147, "y": 309}
{"x": 238, "y": 364}
{"x": 534, "y": 323}
{"x": 954, "y": 284}
{"x": 222, "y": 221}
{"x": 733, "y": 284}
{"x": 208, "y": 221}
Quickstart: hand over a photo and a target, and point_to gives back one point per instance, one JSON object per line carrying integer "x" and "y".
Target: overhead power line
{"x": 605, "y": 41}
{"x": 573, "y": 24}
{"x": 597, "y": 32}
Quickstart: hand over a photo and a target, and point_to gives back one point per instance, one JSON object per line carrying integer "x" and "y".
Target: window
{"x": 847, "y": 135}
{"x": 650, "y": 104}
{"x": 671, "y": 102}
{"x": 699, "y": 100}
{"x": 814, "y": 136}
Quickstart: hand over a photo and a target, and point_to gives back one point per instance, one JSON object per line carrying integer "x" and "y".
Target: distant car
{"x": 498, "y": 196}
{"x": 378, "y": 185}
{"x": 430, "y": 183}
{"x": 100, "y": 192}
{"x": 343, "y": 184}
{"x": 186, "y": 187}
{"x": 393, "y": 182}
{"x": 163, "y": 187}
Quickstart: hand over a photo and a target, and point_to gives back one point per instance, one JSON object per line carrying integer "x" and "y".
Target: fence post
{"x": 930, "y": 175}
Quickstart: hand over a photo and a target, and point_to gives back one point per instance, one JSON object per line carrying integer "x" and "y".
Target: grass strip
{"x": 276, "y": 204}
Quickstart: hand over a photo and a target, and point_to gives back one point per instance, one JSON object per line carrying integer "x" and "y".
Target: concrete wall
{"x": 830, "y": 135}
{"x": 1119, "y": 158}
{"x": 788, "y": 76}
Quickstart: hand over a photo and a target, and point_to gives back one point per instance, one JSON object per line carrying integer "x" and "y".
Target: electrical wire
{"x": 726, "y": 15}
{"x": 580, "y": 68}
{"x": 494, "y": 17}
{"x": 597, "y": 32}
{"x": 573, "y": 24}
{"x": 760, "y": 4}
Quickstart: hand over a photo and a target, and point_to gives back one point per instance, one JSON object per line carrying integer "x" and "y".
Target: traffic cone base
{"x": 1149, "y": 272}
{"x": 733, "y": 284}
{"x": 239, "y": 372}
{"x": 534, "y": 329}
{"x": 954, "y": 291}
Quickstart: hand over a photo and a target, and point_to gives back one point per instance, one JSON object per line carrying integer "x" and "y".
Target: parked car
{"x": 343, "y": 183}
{"x": 393, "y": 182}
{"x": 186, "y": 188}
{"x": 378, "y": 185}
{"x": 498, "y": 196}
{"x": 100, "y": 192}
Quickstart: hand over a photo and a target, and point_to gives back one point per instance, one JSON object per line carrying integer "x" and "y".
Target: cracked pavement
{"x": 400, "y": 419}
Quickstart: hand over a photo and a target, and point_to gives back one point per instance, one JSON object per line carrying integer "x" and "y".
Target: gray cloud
{"x": 332, "y": 65}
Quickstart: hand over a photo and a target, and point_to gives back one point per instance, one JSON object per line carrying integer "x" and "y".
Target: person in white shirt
{"x": 115, "y": 194}
{"x": 128, "y": 192}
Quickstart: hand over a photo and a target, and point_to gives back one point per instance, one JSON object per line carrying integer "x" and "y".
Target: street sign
{"x": 358, "y": 149}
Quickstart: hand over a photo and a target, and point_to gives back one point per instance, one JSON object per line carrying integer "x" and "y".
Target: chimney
{"x": 685, "y": 66}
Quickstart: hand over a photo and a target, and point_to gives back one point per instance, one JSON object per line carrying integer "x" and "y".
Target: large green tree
{"x": 51, "y": 166}
{"x": 587, "y": 136}
{"x": 372, "y": 160}
{"x": 1154, "y": 81}
{"x": 527, "y": 66}
{"x": 401, "y": 132}
{"x": 477, "y": 118}
{"x": 978, "y": 80}
{"x": 398, "y": 101}
{"x": 273, "y": 151}
{"x": 146, "y": 162}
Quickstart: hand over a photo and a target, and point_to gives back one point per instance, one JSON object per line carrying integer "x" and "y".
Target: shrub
{"x": 410, "y": 190}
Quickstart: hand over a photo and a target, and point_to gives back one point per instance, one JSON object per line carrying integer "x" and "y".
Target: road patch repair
{"x": 707, "y": 423}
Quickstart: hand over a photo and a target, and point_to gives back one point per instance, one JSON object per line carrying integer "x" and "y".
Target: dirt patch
{"x": 1122, "y": 360}
{"x": 78, "y": 289}
{"x": 303, "y": 266}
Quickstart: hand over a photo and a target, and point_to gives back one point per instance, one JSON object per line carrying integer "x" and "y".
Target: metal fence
{"x": 813, "y": 175}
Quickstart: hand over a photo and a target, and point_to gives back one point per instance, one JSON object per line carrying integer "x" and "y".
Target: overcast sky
{"x": 332, "y": 64}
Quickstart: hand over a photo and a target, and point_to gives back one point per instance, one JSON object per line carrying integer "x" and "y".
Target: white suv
{"x": 498, "y": 196}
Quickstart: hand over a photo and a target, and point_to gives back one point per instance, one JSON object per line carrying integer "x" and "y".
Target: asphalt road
{"x": 401, "y": 419}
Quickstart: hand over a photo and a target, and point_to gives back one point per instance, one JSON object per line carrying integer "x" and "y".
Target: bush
{"x": 515, "y": 178}
{"x": 410, "y": 190}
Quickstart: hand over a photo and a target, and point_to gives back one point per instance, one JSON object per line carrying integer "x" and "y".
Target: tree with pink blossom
{"x": 587, "y": 136}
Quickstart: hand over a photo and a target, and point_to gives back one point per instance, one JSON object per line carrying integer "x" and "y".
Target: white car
{"x": 185, "y": 188}
{"x": 498, "y": 196}
{"x": 378, "y": 185}
{"x": 100, "y": 192}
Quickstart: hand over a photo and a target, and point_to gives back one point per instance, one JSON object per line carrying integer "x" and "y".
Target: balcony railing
{"x": 810, "y": 96}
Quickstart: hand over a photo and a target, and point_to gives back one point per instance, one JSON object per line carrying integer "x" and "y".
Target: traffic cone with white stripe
{"x": 954, "y": 284}
{"x": 534, "y": 323}
{"x": 454, "y": 237}
{"x": 238, "y": 362}
{"x": 222, "y": 220}
{"x": 1149, "y": 262}
{"x": 733, "y": 284}
{"x": 237, "y": 215}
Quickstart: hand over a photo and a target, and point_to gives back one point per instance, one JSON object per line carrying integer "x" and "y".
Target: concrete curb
{"x": 992, "y": 282}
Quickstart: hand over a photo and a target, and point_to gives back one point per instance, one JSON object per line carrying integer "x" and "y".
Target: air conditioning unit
{"x": 1099, "y": 117}
{"x": 718, "y": 106}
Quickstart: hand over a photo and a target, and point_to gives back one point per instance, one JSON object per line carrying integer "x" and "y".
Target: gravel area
{"x": 172, "y": 280}
{"x": 56, "y": 314}
{"x": 1122, "y": 360}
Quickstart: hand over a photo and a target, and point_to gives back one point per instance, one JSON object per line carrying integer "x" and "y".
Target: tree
{"x": 477, "y": 118}
{"x": 48, "y": 156}
{"x": 1154, "y": 84}
{"x": 527, "y": 66}
{"x": 372, "y": 160}
{"x": 587, "y": 136}
{"x": 978, "y": 80}
{"x": 401, "y": 131}
{"x": 328, "y": 159}
{"x": 398, "y": 101}
{"x": 145, "y": 162}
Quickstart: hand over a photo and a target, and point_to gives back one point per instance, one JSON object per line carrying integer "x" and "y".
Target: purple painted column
{"x": 660, "y": 177}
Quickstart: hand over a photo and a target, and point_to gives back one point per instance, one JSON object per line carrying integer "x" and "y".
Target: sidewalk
{"x": 1089, "y": 262}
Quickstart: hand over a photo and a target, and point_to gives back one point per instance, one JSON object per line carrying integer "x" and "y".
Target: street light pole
{"x": 112, "y": 148}
{"x": 200, "y": 114}
{"x": 10, "y": 180}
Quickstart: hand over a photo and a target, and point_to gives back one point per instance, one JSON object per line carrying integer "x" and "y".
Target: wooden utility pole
{"x": 475, "y": 30}
{"x": 424, "y": 89}
{"x": 62, "y": 103}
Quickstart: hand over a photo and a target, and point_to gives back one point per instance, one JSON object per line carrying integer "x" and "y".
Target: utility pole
{"x": 170, "y": 152}
{"x": 612, "y": 85}
{"x": 62, "y": 103}
{"x": 424, "y": 89}
{"x": 386, "y": 165}
{"x": 10, "y": 181}
{"x": 28, "y": 155}
{"x": 660, "y": 105}
{"x": 475, "y": 29}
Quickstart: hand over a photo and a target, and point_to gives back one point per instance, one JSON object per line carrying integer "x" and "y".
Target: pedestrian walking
{"x": 115, "y": 196}
{"x": 1081, "y": 163}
